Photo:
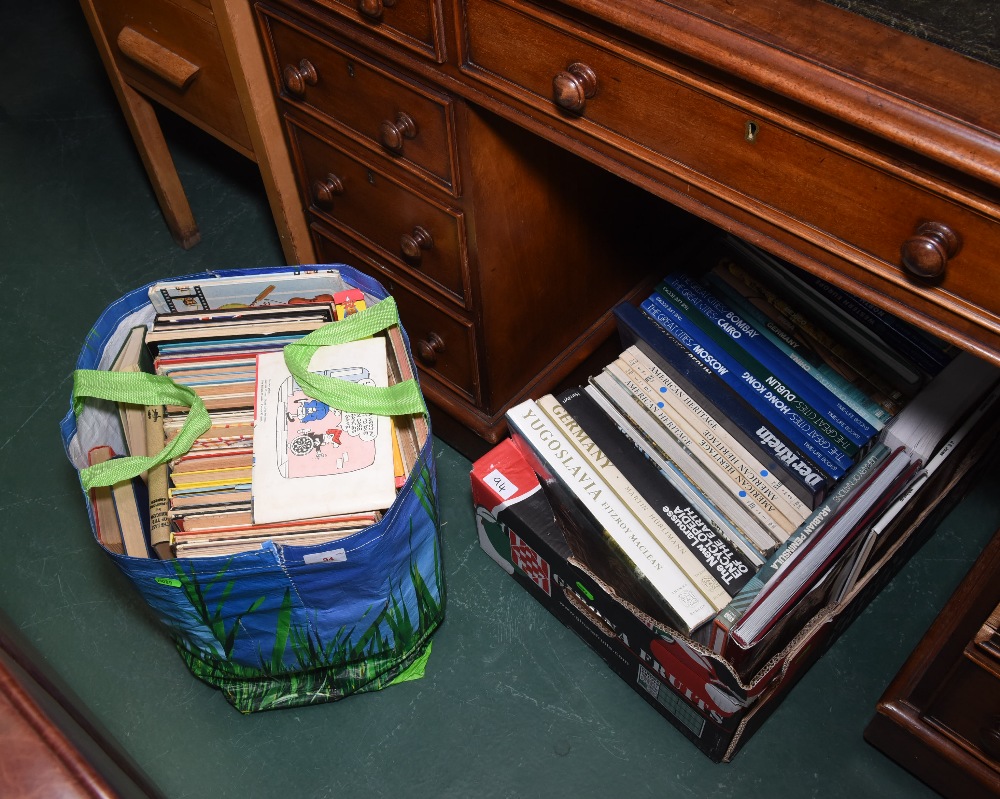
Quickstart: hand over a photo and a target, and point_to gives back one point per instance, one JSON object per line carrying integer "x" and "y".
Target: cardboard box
{"x": 699, "y": 692}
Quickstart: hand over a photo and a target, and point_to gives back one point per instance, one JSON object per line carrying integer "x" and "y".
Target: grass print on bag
{"x": 266, "y": 627}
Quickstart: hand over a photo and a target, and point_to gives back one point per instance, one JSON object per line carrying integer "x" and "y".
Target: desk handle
{"x": 373, "y": 8}
{"x": 572, "y": 87}
{"x": 429, "y": 348}
{"x": 166, "y": 64}
{"x": 297, "y": 78}
{"x": 325, "y": 189}
{"x": 394, "y": 134}
{"x": 926, "y": 253}
{"x": 413, "y": 244}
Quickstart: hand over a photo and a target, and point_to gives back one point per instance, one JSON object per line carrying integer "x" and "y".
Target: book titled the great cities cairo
{"x": 314, "y": 460}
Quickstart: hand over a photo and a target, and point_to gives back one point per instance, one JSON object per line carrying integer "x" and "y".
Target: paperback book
{"x": 311, "y": 459}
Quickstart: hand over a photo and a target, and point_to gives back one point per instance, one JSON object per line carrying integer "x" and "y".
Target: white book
{"x": 925, "y": 421}
{"x": 733, "y": 513}
{"x": 657, "y": 431}
{"x": 310, "y": 459}
{"x": 716, "y": 449}
{"x": 531, "y": 428}
{"x": 713, "y": 431}
{"x": 645, "y": 514}
{"x": 727, "y": 476}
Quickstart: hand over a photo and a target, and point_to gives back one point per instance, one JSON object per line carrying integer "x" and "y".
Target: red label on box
{"x": 531, "y": 563}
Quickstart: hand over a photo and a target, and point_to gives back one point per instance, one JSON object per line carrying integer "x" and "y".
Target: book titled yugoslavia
{"x": 310, "y": 459}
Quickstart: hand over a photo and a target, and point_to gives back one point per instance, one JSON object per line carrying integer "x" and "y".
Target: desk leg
{"x": 145, "y": 128}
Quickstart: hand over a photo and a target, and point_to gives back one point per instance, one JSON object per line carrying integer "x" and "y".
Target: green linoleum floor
{"x": 513, "y": 704}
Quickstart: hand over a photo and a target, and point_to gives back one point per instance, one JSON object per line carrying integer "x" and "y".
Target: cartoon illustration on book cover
{"x": 315, "y": 439}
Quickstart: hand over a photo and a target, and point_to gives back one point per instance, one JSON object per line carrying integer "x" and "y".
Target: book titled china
{"x": 311, "y": 459}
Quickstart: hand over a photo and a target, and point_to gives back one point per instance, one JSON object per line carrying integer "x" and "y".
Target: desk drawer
{"x": 415, "y": 24}
{"x": 968, "y": 706}
{"x": 422, "y": 239}
{"x": 172, "y": 52}
{"x": 443, "y": 345}
{"x": 833, "y": 193}
{"x": 363, "y": 99}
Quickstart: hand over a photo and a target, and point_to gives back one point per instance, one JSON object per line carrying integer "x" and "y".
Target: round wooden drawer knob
{"x": 574, "y": 86}
{"x": 373, "y": 8}
{"x": 325, "y": 189}
{"x": 394, "y": 134}
{"x": 297, "y": 78}
{"x": 927, "y": 252}
{"x": 414, "y": 244}
{"x": 428, "y": 349}
{"x": 989, "y": 739}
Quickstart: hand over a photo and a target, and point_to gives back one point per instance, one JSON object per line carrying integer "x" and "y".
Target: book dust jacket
{"x": 310, "y": 459}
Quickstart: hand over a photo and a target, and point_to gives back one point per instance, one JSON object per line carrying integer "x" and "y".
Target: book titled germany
{"x": 554, "y": 458}
{"x": 583, "y": 420}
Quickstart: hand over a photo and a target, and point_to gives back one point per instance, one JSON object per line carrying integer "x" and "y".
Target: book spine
{"x": 876, "y": 407}
{"x": 910, "y": 343}
{"x": 672, "y": 547}
{"x": 846, "y": 355}
{"x": 157, "y": 484}
{"x": 764, "y": 530}
{"x": 761, "y": 499}
{"x": 805, "y": 476}
{"x": 839, "y": 324}
{"x": 771, "y": 406}
{"x": 689, "y": 534}
{"x": 713, "y": 436}
{"x": 730, "y": 615}
{"x": 753, "y": 372}
{"x": 750, "y": 339}
{"x": 708, "y": 510}
{"x": 537, "y": 436}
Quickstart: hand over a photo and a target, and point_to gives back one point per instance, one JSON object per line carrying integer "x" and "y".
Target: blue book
{"x": 746, "y": 334}
{"x": 799, "y": 471}
{"x": 754, "y": 373}
{"x": 914, "y": 344}
{"x": 767, "y": 402}
{"x": 874, "y": 407}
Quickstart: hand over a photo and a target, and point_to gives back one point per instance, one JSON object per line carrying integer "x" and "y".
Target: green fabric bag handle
{"x": 399, "y": 399}
{"x": 140, "y": 388}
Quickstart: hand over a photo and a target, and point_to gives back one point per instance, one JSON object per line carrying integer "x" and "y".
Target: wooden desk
{"x": 940, "y": 717}
{"x": 200, "y": 59}
{"x": 461, "y": 151}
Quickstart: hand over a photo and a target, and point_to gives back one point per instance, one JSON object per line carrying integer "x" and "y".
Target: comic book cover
{"x": 314, "y": 460}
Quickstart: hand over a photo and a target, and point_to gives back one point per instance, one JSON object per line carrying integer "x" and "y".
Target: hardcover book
{"x": 555, "y": 459}
{"x": 712, "y": 449}
{"x": 649, "y": 487}
{"x": 667, "y": 454}
{"x": 714, "y": 433}
{"x": 772, "y": 402}
{"x": 314, "y": 460}
{"x": 804, "y": 474}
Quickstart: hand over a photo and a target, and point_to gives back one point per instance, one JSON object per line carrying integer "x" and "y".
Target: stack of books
{"x": 743, "y": 458}
{"x": 275, "y": 465}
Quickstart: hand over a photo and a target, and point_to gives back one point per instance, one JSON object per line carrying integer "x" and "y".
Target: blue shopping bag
{"x": 283, "y": 626}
